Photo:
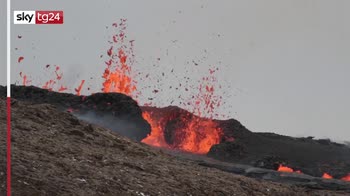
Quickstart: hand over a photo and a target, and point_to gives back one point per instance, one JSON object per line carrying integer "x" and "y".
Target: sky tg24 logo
{"x": 38, "y": 17}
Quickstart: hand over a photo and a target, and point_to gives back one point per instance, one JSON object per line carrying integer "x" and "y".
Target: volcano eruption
{"x": 195, "y": 134}
{"x": 192, "y": 130}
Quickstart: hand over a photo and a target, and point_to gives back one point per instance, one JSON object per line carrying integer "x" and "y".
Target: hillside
{"x": 54, "y": 153}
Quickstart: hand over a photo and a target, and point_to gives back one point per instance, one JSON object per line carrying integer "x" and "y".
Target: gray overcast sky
{"x": 284, "y": 64}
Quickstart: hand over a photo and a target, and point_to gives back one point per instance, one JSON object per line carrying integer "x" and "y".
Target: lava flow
{"x": 156, "y": 138}
{"x": 346, "y": 178}
{"x": 327, "y": 176}
{"x": 282, "y": 168}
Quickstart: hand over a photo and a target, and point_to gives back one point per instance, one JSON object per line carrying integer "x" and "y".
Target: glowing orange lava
{"x": 282, "y": 168}
{"x": 327, "y": 176}
{"x": 194, "y": 133}
{"x": 200, "y": 135}
{"x": 156, "y": 138}
{"x": 346, "y": 178}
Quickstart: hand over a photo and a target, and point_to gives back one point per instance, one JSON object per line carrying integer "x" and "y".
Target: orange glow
{"x": 200, "y": 135}
{"x": 346, "y": 178}
{"x": 197, "y": 135}
{"x": 156, "y": 138}
{"x": 327, "y": 176}
{"x": 282, "y": 168}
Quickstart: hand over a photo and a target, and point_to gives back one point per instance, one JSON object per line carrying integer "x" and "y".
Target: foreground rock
{"x": 54, "y": 153}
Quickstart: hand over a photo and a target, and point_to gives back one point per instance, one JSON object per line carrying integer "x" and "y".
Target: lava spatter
{"x": 54, "y": 83}
{"x": 20, "y": 59}
{"x": 24, "y": 79}
{"x": 78, "y": 90}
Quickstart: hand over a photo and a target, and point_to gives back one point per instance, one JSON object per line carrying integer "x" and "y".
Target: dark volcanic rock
{"x": 115, "y": 111}
{"x": 268, "y": 150}
{"x": 289, "y": 178}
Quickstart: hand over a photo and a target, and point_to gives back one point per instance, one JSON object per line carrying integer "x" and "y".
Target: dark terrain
{"x": 55, "y": 153}
{"x": 93, "y": 108}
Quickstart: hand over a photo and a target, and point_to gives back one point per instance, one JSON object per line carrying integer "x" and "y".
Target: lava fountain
{"x": 196, "y": 134}
{"x": 118, "y": 73}
{"x": 190, "y": 133}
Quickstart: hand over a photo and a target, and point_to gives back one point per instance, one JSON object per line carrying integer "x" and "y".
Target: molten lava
{"x": 282, "y": 168}
{"x": 190, "y": 133}
{"x": 327, "y": 176}
{"x": 199, "y": 135}
{"x": 346, "y": 178}
{"x": 156, "y": 138}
